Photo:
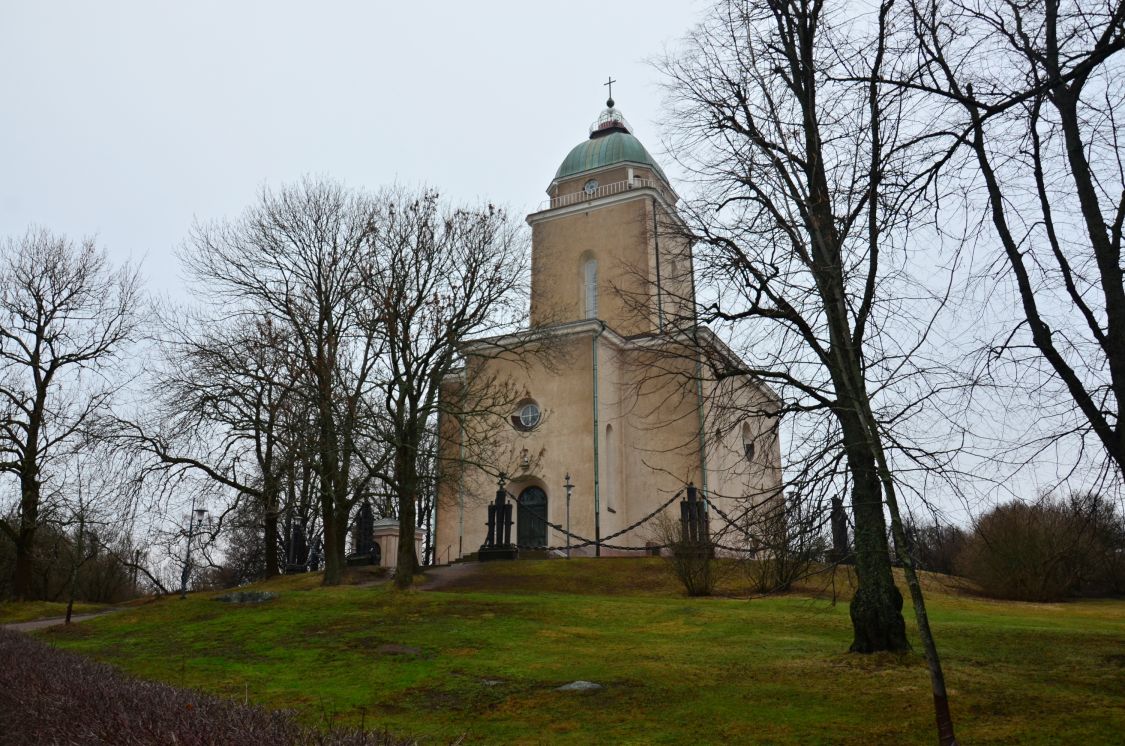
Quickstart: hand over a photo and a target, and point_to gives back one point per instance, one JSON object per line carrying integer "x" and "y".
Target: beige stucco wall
{"x": 742, "y": 489}
{"x": 652, "y": 454}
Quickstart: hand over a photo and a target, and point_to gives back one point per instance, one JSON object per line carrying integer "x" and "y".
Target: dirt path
{"x": 55, "y": 621}
{"x": 438, "y": 578}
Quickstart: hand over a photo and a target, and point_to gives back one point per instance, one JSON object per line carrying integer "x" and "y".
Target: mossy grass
{"x": 481, "y": 659}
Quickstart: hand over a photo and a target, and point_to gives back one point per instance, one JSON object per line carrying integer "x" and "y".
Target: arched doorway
{"x": 531, "y": 518}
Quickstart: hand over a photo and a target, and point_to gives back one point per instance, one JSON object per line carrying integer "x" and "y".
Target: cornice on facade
{"x": 640, "y": 192}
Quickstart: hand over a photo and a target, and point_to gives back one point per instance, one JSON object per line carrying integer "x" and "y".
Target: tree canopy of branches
{"x": 803, "y": 226}
{"x": 225, "y": 407}
{"x": 66, "y": 317}
{"x": 294, "y": 263}
{"x": 331, "y": 319}
{"x": 1033, "y": 93}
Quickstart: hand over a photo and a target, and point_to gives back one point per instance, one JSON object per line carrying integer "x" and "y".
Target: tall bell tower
{"x": 598, "y": 245}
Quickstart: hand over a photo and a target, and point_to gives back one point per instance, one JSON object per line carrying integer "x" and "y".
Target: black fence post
{"x": 695, "y": 529}
{"x": 498, "y": 544}
{"x": 508, "y": 523}
{"x": 490, "y": 540}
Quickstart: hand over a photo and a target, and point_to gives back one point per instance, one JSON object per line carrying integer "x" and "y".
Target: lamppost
{"x": 196, "y": 513}
{"x": 569, "y": 491}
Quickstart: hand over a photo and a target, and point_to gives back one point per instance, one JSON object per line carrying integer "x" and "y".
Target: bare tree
{"x": 297, "y": 258}
{"x": 362, "y": 302}
{"x": 66, "y": 317}
{"x": 224, "y": 402}
{"x": 808, "y": 212}
{"x": 1032, "y": 93}
{"x": 441, "y": 275}
{"x": 99, "y": 505}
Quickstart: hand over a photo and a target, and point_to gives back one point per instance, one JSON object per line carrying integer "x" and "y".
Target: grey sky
{"x": 128, "y": 119}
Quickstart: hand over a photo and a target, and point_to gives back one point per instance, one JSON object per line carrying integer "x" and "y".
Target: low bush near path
{"x": 49, "y": 696}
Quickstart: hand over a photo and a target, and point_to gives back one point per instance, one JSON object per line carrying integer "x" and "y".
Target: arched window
{"x": 590, "y": 285}
{"x": 610, "y": 482}
{"x": 747, "y": 441}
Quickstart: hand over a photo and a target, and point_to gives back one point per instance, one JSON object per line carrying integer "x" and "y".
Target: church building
{"x": 622, "y": 408}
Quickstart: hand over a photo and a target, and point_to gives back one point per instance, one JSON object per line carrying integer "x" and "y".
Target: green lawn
{"x": 482, "y": 660}
{"x": 12, "y": 612}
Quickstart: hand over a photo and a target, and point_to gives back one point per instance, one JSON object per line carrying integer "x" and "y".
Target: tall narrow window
{"x": 747, "y": 441}
{"x": 590, "y": 274}
{"x": 610, "y": 470}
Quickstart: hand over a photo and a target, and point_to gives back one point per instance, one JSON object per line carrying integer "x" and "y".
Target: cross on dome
{"x": 610, "y": 120}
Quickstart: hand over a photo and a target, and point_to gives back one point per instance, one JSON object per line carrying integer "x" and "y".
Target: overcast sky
{"x": 128, "y": 119}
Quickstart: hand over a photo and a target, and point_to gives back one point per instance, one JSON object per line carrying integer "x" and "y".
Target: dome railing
{"x": 605, "y": 190}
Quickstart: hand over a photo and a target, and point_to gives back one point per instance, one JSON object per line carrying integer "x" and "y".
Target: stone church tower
{"x": 615, "y": 403}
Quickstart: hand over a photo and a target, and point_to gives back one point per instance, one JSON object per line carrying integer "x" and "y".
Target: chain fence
{"x": 581, "y": 542}
{"x": 586, "y": 541}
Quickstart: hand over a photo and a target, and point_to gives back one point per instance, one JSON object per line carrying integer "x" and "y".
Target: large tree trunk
{"x": 78, "y": 561}
{"x": 22, "y": 576}
{"x": 876, "y": 608}
{"x": 271, "y": 539}
{"x": 328, "y": 468}
{"x": 333, "y": 562}
{"x": 25, "y": 538}
{"x": 271, "y": 508}
{"x": 407, "y": 467}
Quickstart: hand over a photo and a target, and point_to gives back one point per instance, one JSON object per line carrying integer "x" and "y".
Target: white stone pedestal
{"x": 386, "y": 536}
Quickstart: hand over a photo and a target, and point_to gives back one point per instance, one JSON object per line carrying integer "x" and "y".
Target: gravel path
{"x": 55, "y": 621}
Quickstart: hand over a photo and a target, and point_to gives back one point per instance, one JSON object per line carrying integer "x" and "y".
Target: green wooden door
{"x": 531, "y": 518}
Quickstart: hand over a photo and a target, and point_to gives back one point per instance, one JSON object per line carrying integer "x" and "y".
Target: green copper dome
{"x": 606, "y": 150}
{"x": 611, "y": 142}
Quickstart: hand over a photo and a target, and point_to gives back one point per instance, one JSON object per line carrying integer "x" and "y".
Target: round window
{"x": 529, "y": 415}
{"x": 591, "y": 186}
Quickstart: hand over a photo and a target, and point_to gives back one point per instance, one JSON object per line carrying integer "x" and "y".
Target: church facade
{"x": 621, "y": 406}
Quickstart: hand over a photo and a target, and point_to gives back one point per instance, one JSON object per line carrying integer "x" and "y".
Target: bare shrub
{"x": 692, "y": 562}
{"x": 935, "y": 547}
{"x": 789, "y": 539}
{"x": 100, "y": 578}
{"x": 1048, "y": 550}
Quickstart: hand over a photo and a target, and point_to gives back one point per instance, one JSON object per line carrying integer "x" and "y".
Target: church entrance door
{"x": 531, "y": 518}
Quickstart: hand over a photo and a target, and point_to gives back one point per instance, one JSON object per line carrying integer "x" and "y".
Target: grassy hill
{"x": 482, "y": 656}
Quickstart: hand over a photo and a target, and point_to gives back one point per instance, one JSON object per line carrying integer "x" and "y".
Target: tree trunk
{"x": 25, "y": 538}
{"x": 407, "y": 468}
{"x": 270, "y": 531}
{"x": 343, "y": 513}
{"x": 933, "y": 661}
{"x": 333, "y": 561}
{"x": 328, "y": 472}
{"x": 333, "y": 566}
{"x": 79, "y": 560}
{"x": 876, "y": 608}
